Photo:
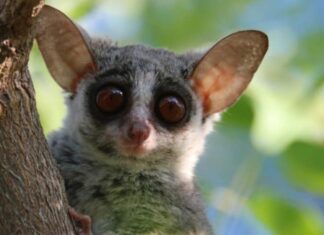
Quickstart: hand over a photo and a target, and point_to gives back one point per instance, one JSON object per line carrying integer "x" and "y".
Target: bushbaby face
{"x": 139, "y": 104}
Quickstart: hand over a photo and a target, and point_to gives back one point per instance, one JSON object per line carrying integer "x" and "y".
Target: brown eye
{"x": 110, "y": 99}
{"x": 171, "y": 109}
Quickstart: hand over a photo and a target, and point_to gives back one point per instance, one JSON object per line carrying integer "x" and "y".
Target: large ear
{"x": 223, "y": 73}
{"x": 64, "y": 48}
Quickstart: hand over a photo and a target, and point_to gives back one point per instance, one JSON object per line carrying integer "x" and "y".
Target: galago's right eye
{"x": 110, "y": 99}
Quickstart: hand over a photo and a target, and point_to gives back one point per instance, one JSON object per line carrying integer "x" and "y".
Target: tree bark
{"x": 32, "y": 197}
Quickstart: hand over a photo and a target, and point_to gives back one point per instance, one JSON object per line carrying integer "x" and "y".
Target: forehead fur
{"x": 134, "y": 57}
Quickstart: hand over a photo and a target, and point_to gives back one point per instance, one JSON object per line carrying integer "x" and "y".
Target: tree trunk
{"x": 32, "y": 197}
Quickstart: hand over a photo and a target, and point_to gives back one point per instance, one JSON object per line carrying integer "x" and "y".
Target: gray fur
{"x": 150, "y": 194}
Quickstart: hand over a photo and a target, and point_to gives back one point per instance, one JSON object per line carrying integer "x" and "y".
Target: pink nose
{"x": 138, "y": 132}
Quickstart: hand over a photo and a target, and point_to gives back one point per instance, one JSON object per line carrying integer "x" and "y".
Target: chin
{"x": 134, "y": 153}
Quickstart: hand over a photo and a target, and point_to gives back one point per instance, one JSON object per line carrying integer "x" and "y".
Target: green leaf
{"x": 303, "y": 164}
{"x": 286, "y": 218}
{"x": 241, "y": 114}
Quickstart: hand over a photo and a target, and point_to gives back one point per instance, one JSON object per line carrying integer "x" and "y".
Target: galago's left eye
{"x": 171, "y": 109}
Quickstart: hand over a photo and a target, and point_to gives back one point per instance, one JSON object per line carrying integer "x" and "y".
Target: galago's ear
{"x": 224, "y": 72}
{"x": 64, "y": 48}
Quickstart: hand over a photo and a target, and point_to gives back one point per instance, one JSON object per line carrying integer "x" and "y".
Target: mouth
{"x": 133, "y": 149}
{"x": 125, "y": 149}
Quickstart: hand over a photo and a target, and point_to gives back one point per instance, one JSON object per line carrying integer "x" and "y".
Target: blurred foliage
{"x": 269, "y": 147}
{"x": 186, "y": 23}
{"x": 75, "y": 9}
{"x": 283, "y": 217}
{"x": 304, "y": 165}
{"x": 241, "y": 114}
{"x": 310, "y": 59}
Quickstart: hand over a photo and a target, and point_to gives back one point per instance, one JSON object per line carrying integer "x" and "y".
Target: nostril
{"x": 138, "y": 132}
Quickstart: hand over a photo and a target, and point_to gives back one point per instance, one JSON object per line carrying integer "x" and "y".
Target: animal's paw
{"x": 83, "y": 221}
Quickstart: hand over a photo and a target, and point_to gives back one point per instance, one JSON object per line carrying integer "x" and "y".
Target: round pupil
{"x": 171, "y": 109}
{"x": 110, "y": 99}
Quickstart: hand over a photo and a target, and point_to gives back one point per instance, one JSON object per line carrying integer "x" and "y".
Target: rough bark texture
{"x": 32, "y": 199}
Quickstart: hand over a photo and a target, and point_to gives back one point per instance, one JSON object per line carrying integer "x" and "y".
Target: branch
{"x": 32, "y": 197}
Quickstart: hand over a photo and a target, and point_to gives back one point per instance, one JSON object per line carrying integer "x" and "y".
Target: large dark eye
{"x": 171, "y": 109}
{"x": 110, "y": 99}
